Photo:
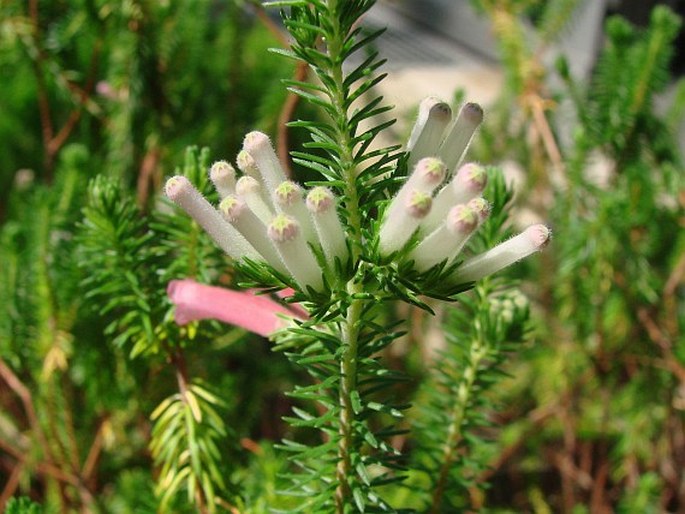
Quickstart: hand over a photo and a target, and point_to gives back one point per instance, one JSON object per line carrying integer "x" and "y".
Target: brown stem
{"x": 11, "y": 486}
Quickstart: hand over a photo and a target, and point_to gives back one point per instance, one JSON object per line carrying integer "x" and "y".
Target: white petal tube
{"x": 459, "y": 135}
{"x": 468, "y": 183}
{"x": 182, "y": 193}
{"x": 446, "y": 241}
{"x": 250, "y": 190}
{"x": 429, "y": 129}
{"x": 321, "y": 203}
{"x": 400, "y": 223}
{"x": 284, "y": 231}
{"x": 222, "y": 175}
{"x": 288, "y": 198}
{"x": 238, "y": 213}
{"x": 505, "y": 254}
{"x": 258, "y": 145}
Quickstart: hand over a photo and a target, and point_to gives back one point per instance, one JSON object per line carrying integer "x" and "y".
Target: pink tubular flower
{"x": 245, "y": 309}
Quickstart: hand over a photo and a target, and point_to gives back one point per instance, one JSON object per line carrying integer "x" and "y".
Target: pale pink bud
{"x": 401, "y": 221}
{"x": 181, "y": 192}
{"x": 459, "y": 135}
{"x": 238, "y": 213}
{"x": 247, "y": 164}
{"x": 481, "y": 207}
{"x": 284, "y": 231}
{"x": 428, "y": 131}
{"x": 258, "y": 145}
{"x": 505, "y": 254}
{"x": 288, "y": 198}
{"x": 446, "y": 241}
{"x": 222, "y": 176}
{"x": 250, "y": 189}
{"x": 468, "y": 183}
{"x": 322, "y": 205}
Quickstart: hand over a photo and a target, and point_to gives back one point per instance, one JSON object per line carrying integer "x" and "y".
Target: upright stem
{"x": 454, "y": 432}
{"x": 351, "y": 325}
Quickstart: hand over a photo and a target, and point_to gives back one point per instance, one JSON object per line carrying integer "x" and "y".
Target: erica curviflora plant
{"x": 380, "y": 226}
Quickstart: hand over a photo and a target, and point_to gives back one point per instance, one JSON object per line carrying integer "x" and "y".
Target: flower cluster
{"x": 264, "y": 217}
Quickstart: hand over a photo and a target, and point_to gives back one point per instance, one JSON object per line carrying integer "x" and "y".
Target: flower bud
{"x": 505, "y": 254}
{"x": 288, "y": 199}
{"x": 459, "y": 135}
{"x": 222, "y": 176}
{"x": 258, "y": 145}
{"x": 182, "y": 193}
{"x": 321, "y": 203}
{"x": 247, "y": 164}
{"x": 402, "y": 220}
{"x": 445, "y": 242}
{"x": 236, "y": 211}
{"x": 284, "y": 231}
{"x": 468, "y": 183}
{"x": 250, "y": 190}
{"x": 428, "y": 131}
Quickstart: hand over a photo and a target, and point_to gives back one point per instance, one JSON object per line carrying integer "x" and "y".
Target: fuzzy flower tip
{"x": 245, "y": 309}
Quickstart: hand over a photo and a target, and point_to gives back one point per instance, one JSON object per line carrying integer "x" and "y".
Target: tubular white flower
{"x": 258, "y": 145}
{"x": 460, "y": 133}
{"x": 247, "y": 164}
{"x": 400, "y": 223}
{"x": 428, "y": 131}
{"x": 251, "y": 191}
{"x": 288, "y": 198}
{"x": 238, "y": 213}
{"x": 446, "y": 241}
{"x": 284, "y": 231}
{"x": 426, "y": 176}
{"x": 481, "y": 207}
{"x": 322, "y": 206}
{"x": 222, "y": 175}
{"x": 182, "y": 193}
{"x": 468, "y": 183}
{"x": 505, "y": 254}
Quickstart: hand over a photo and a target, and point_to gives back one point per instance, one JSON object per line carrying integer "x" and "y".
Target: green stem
{"x": 351, "y": 325}
{"x": 477, "y": 352}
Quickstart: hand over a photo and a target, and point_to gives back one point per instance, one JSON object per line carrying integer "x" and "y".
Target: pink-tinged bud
{"x": 427, "y": 175}
{"x": 285, "y": 232}
{"x": 244, "y": 309}
{"x": 289, "y": 200}
{"x": 472, "y": 177}
{"x": 232, "y": 208}
{"x": 287, "y": 193}
{"x": 461, "y": 219}
{"x": 321, "y": 203}
{"x": 320, "y": 199}
{"x": 247, "y": 164}
{"x": 427, "y": 133}
{"x": 182, "y": 193}
{"x": 505, "y": 254}
{"x": 251, "y": 190}
{"x": 283, "y": 228}
{"x": 468, "y": 183}
{"x": 446, "y": 241}
{"x": 258, "y": 145}
{"x": 459, "y": 135}
{"x": 222, "y": 176}
{"x": 402, "y": 220}
{"x": 237, "y": 212}
{"x": 418, "y": 204}
{"x": 481, "y": 207}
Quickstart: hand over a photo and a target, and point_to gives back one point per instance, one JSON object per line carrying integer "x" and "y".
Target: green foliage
{"x": 22, "y": 505}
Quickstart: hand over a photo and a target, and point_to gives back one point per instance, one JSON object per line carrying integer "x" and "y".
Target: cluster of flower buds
{"x": 440, "y": 203}
{"x": 265, "y": 217}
